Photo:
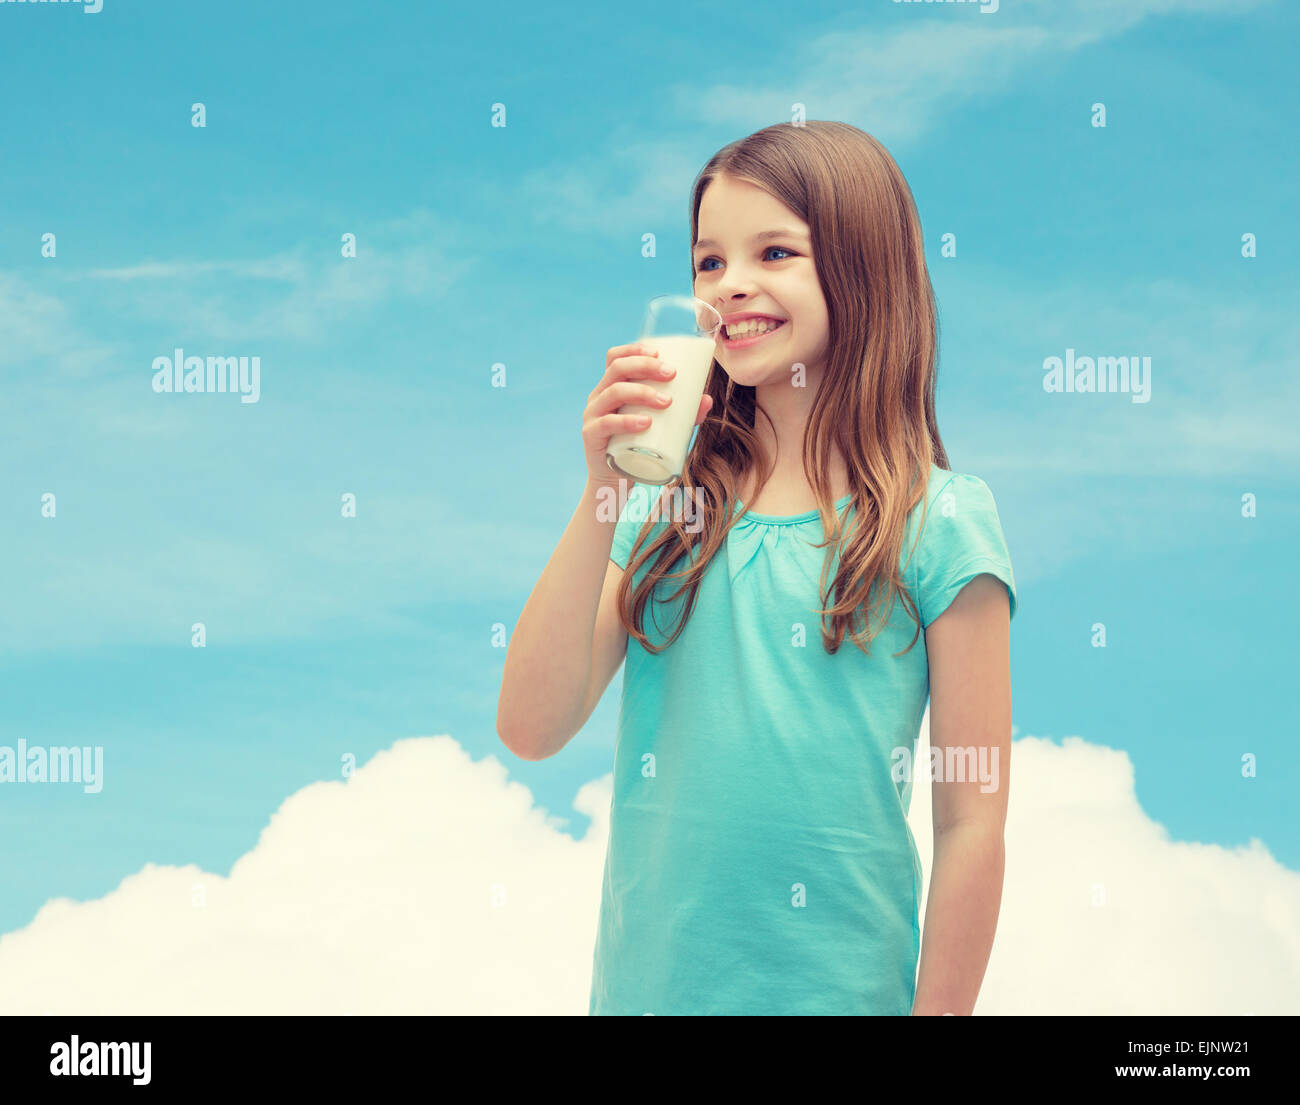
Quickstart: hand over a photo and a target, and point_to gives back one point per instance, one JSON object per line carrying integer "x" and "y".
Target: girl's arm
{"x": 970, "y": 718}
{"x": 568, "y": 641}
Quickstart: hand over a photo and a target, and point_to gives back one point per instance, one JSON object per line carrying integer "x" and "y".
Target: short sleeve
{"x": 630, "y": 520}
{"x": 961, "y": 538}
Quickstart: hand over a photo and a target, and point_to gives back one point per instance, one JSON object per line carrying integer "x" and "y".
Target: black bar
{"x": 365, "y": 1053}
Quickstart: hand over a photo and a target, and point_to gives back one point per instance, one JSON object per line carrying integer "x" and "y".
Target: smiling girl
{"x": 781, "y": 648}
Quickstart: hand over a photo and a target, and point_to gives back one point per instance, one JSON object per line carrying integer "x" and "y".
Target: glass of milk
{"x": 683, "y": 330}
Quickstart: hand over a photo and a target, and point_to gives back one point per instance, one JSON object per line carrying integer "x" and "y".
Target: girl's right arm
{"x": 569, "y": 639}
{"x": 553, "y": 649}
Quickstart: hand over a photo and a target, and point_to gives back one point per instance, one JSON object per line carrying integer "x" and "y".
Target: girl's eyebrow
{"x": 705, "y": 243}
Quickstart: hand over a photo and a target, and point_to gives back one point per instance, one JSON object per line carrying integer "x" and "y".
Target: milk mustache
{"x": 657, "y": 453}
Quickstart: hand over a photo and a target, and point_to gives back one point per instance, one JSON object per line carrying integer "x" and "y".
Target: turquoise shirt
{"x": 759, "y": 858}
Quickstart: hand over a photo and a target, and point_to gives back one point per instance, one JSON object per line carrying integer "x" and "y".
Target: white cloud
{"x": 897, "y": 74}
{"x": 1223, "y": 390}
{"x": 634, "y": 186}
{"x": 370, "y": 896}
{"x": 305, "y": 294}
{"x": 39, "y": 336}
{"x": 1185, "y": 928}
{"x": 282, "y": 267}
{"x": 81, "y": 379}
{"x": 1062, "y": 466}
{"x": 376, "y": 896}
{"x": 893, "y": 76}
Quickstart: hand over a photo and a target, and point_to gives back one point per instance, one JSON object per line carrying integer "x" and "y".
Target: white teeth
{"x": 751, "y": 328}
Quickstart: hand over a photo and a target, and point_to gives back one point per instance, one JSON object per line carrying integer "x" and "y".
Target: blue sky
{"x": 521, "y": 245}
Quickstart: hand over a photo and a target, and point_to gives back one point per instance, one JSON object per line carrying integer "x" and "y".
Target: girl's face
{"x": 737, "y": 272}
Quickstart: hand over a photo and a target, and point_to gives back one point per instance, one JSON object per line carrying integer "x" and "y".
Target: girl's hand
{"x": 625, "y": 366}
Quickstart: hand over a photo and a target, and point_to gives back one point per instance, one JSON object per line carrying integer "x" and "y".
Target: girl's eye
{"x": 779, "y": 249}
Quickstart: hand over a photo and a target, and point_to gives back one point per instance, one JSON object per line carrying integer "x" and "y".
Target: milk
{"x": 657, "y": 453}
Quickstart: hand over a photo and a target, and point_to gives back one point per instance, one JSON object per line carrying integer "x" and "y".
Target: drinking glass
{"x": 684, "y": 331}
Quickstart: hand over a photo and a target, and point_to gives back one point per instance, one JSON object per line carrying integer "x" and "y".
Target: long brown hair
{"x": 875, "y": 403}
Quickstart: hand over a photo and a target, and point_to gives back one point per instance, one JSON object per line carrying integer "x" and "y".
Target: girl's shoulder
{"x": 960, "y": 536}
{"x": 951, "y": 491}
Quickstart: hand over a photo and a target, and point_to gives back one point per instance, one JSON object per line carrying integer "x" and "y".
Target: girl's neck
{"x": 788, "y": 490}
{"x": 788, "y": 408}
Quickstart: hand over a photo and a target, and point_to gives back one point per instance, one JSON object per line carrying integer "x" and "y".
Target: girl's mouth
{"x": 747, "y": 341}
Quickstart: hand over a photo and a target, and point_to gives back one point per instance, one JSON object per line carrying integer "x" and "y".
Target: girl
{"x": 759, "y": 857}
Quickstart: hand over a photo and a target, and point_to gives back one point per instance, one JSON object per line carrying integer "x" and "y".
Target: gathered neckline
{"x": 788, "y": 519}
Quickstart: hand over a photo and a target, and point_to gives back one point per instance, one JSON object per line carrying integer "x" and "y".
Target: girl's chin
{"x": 755, "y": 377}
